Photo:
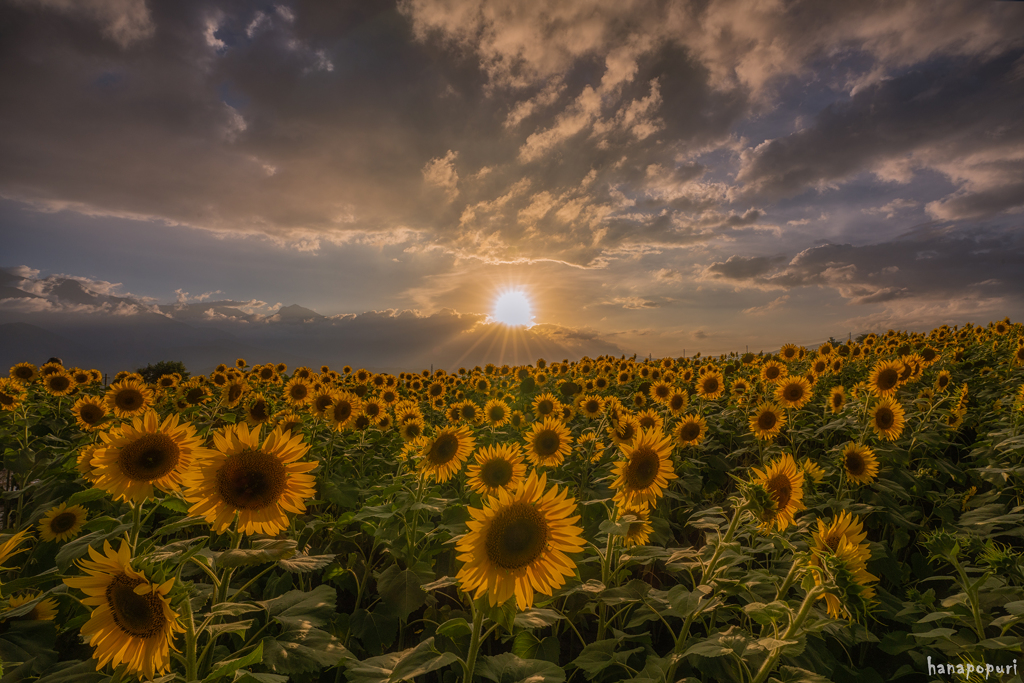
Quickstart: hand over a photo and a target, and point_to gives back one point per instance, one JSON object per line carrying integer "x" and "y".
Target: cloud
{"x": 123, "y": 21}
{"x": 440, "y": 172}
{"x": 768, "y": 307}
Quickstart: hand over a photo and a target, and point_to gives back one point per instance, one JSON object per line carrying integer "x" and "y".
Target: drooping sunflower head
{"x": 12, "y": 394}
{"x": 496, "y": 467}
{"x": 812, "y": 470}
{"x": 836, "y": 399}
{"x": 888, "y": 419}
{"x": 90, "y": 413}
{"x": 62, "y": 523}
{"x": 59, "y": 383}
{"x": 590, "y": 446}
{"x": 844, "y": 527}
{"x": 132, "y": 623}
{"x": 444, "y": 453}
{"x": 785, "y": 486}
{"x": 548, "y": 442}
{"x": 260, "y": 482}
{"x": 845, "y": 570}
{"x": 640, "y": 528}
{"x": 793, "y": 392}
{"x": 860, "y": 463}
{"x": 643, "y": 473}
{"x": 43, "y": 610}
{"x": 517, "y": 544}
{"x": 144, "y": 454}
{"x": 767, "y": 421}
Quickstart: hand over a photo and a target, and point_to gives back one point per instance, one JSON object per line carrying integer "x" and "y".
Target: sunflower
{"x": 25, "y": 373}
{"x": 171, "y": 380}
{"x": 129, "y": 398}
{"x": 773, "y": 370}
{"x": 793, "y": 392}
{"x": 660, "y": 391}
{"x": 517, "y": 544}
{"x": 232, "y": 392}
{"x": 548, "y": 442}
{"x": 12, "y": 393}
{"x": 954, "y": 419}
{"x": 44, "y": 610}
{"x": 624, "y": 429}
{"x": 297, "y": 392}
{"x": 785, "y": 486}
{"x": 639, "y": 531}
{"x": 343, "y": 410}
{"x": 789, "y": 352}
{"x": 859, "y": 463}
{"x": 9, "y": 547}
{"x": 375, "y": 410}
{"x": 62, "y": 523}
{"x": 496, "y": 412}
{"x": 677, "y": 402}
{"x": 259, "y": 482}
{"x": 59, "y": 383}
{"x": 591, "y": 406}
{"x": 710, "y": 385}
{"x": 767, "y": 421}
{"x": 887, "y": 419}
{"x": 820, "y": 366}
{"x": 442, "y": 454}
{"x": 89, "y": 412}
{"x": 690, "y": 430}
{"x": 739, "y": 388}
{"x": 411, "y": 430}
{"x": 132, "y": 623}
{"x": 144, "y": 454}
{"x": 85, "y": 463}
{"x": 884, "y": 379}
{"x": 465, "y": 411}
{"x": 496, "y": 467}
{"x": 288, "y": 421}
{"x": 853, "y": 558}
{"x": 546, "y": 404}
{"x": 590, "y": 446}
{"x": 645, "y": 470}
{"x": 812, "y": 470}
{"x": 650, "y": 419}
{"x": 257, "y": 410}
{"x": 836, "y": 399}
{"x": 943, "y": 380}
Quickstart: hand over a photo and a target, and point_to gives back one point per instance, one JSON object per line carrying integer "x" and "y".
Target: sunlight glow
{"x": 513, "y": 309}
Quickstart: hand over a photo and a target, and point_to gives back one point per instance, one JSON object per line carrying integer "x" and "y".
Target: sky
{"x": 657, "y": 177}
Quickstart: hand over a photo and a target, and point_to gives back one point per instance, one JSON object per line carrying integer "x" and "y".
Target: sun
{"x": 513, "y": 309}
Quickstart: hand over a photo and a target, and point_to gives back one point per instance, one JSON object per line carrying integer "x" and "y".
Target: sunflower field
{"x": 848, "y": 513}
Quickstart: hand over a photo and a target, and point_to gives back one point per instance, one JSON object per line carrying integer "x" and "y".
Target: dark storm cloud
{"x": 958, "y": 116}
{"x": 926, "y": 263}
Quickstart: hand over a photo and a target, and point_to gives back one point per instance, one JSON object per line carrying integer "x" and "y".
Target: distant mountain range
{"x": 65, "y": 317}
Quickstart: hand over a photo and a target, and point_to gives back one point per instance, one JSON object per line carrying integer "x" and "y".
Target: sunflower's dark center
{"x": 884, "y": 417}
{"x": 887, "y": 379}
{"x": 266, "y": 373}
{"x": 772, "y": 372}
{"x": 341, "y": 411}
{"x": 62, "y": 522}
{"x": 517, "y": 536}
{"x": 600, "y": 383}
{"x": 90, "y": 413}
{"x": 642, "y": 468}
{"x": 837, "y": 400}
{"x": 129, "y": 399}
{"x": 662, "y": 391}
{"x": 517, "y": 420}
{"x": 6, "y": 399}
{"x": 169, "y": 381}
{"x": 298, "y": 391}
{"x": 81, "y": 377}
{"x": 677, "y": 402}
{"x": 412, "y": 429}
{"x": 781, "y": 490}
{"x": 789, "y": 354}
{"x": 139, "y": 616}
{"x": 767, "y": 420}
{"x": 371, "y": 409}
{"x": 194, "y": 395}
{"x": 1020, "y": 353}
{"x": 496, "y": 414}
{"x": 322, "y": 403}
{"x": 467, "y": 412}
{"x": 546, "y": 443}
{"x": 855, "y": 464}
{"x": 23, "y": 373}
{"x": 592, "y": 406}
{"x": 251, "y": 480}
{"x": 259, "y": 411}
{"x": 689, "y": 431}
{"x": 389, "y": 397}
{"x": 435, "y": 390}
{"x": 444, "y": 448}
{"x": 908, "y": 370}
{"x": 710, "y": 385}
{"x": 626, "y": 431}
{"x": 149, "y": 457}
{"x": 234, "y": 392}
{"x": 647, "y": 422}
{"x": 793, "y": 392}
{"x": 59, "y": 382}
{"x": 290, "y": 425}
{"x": 496, "y": 472}
{"x": 832, "y": 541}
{"x": 545, "y": 407}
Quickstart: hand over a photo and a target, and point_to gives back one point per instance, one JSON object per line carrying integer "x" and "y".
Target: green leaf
{"x": 401, "y": 589}
{"x": 507, "y": 668}
{"x": 398, "y": 666}
{"x": 935, "y": 633}
{"x": 273, "y": 551}
{"x": 455, "y": 628}
{"x": 302, "y": 563}
{"x": 73, "y": 672}
{"x": 231, "y": 666}
{"x": 708, "y": 648}
{"x": 302, "y": 610}
{"x": 72, "y": 550}
{"x": 634, "y": 591}
{"x": 25, "y": 640}
{"x": 443, "y": 582}
{"x": 766, "y": 614}
{"x": 601, "y": 654}
{"x": 537, "y": 618}
{"x": 935, "y": 616}
{"x": 294, "y": 652}
{"x": 234, "y": 609}
{"x": 794, "y": 674}
{"x": 174, "y": 527}
{"x": 504, "y": 614}
{"x": 528, "y": 646}
{"x": 377, "y": 630}
{"x": 86, "y": 496}
{"x": 254, "y": 677}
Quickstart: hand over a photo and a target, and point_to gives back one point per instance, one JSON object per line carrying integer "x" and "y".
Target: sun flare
{"x": 513, "y": 309}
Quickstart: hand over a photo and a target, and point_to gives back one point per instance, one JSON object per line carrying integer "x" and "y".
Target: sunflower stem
{"x": 136, "y": 523}
{"x": 722, "y": 542}
{"x": 794, "y": 626}
{"x": 474, "y": 643}
{"x": 191, "y": 668}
